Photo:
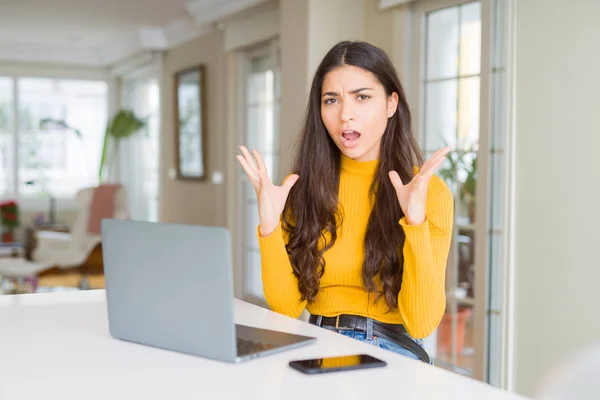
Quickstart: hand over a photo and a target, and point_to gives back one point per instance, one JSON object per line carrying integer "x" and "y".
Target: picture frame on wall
{"x": 190, "y": 123}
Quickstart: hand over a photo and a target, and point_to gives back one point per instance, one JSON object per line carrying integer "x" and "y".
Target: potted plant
{"x": 9, "y": 218}
{"x": 124, "y": 124}
{"x": 444, "y": 338}
{"x": 460, "y": 174}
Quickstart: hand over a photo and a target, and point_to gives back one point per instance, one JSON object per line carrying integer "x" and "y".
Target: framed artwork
{"x": 190, "y": 123}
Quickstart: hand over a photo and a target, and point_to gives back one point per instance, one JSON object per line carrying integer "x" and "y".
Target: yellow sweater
{"x": 422, "y": 298}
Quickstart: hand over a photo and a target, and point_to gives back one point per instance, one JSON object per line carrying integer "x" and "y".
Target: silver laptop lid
{"x": 170, "y": 286}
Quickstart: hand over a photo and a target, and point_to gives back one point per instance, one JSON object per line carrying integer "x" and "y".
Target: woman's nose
{"x": 347, "y": 113}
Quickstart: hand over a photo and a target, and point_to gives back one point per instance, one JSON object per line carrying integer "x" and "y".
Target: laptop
{"x": 171, "y": 286}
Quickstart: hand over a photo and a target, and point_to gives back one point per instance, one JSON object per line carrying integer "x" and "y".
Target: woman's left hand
{"x": 413, "y": 195}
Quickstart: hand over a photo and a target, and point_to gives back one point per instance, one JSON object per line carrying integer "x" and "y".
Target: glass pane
{"x": 452, "y": 117}
{"x": 465, "y": 239}
{"x": 447, "y": 170}
{"x": 270, "y": 162}
{"x": 470, "y": 39}
{"x": 465, "y": 338}
{"x": 37, "y": 85}
{"x": 261, "y": 133}
{"x": 260, "y": 64}
{"x": 261, "y": 128}
{"x": 6, "y": 136}
{"x": 256, "y": 89}
{"x": 139, "y": 154}
{"x": 440, "y": 115}
{"x": 466, "y": 180}
{"x": 276, "y": 122}
{"x": 468, "y": 113}
{"x": 253, "y": 276}
{"x": 260, "y": 82}
{"x": 82, "y": 88}
{"x": 55, "y": 160}
{"x": 462, "y": 336}
{"x": 250, "y": 194}
{"x": 252, "y": 221}
{"x": 442, "y": 43}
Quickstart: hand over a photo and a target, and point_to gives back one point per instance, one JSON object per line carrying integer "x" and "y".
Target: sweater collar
{"x": 366, "y": 168}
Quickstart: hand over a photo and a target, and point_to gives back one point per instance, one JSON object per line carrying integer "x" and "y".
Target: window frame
{"x": 417, "y": 53}
{"x": 270, "y": 48}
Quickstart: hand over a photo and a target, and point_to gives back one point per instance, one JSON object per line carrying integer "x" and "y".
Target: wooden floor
{"x": 71, "y": 279}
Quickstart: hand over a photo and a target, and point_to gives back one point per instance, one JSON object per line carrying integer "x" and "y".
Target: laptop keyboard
{"x": 245, "y": 347}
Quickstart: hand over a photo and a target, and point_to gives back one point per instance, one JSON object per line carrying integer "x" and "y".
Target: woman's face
{"x": 355, "y": 110}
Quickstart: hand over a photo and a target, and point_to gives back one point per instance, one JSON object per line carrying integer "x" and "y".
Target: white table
{"x": 57, "y": 346}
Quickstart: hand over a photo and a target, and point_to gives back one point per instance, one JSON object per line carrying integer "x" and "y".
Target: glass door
{"x": 449, "y": 81}
{"x": 261, "y": 132}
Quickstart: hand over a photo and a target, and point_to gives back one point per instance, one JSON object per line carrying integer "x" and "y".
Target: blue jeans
{"x": 380, "y": 342}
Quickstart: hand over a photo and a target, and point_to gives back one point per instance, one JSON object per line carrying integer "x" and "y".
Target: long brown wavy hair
{"x": 312, "y": 216}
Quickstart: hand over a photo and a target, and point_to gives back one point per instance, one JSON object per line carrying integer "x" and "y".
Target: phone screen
{"x": 342, "y": 363}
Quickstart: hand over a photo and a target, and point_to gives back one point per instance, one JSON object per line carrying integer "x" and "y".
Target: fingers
{"x": 262, "y": 168}
{"x": 248, "y": 157}
{"x": 254, "y": 166}
{"x": 250, "y": 171}
{"x": 259, "y": 161}
{"x": 249, "y": 165}
{"x": 396, "y": 181}
{"x": 431, "y": 165}
{"x": 438, "y": 155}
{"x": 290, "y": 181}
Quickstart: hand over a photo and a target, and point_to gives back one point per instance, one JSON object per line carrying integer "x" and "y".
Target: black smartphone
{"x": 333, "y": 364}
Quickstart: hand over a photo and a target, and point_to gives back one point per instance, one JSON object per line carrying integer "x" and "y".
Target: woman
{"x": 359, "y": 233}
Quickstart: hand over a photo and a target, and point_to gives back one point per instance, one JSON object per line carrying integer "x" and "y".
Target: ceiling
{"x": 103, "y": 32}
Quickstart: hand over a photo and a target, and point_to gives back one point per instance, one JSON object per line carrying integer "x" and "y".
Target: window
{"x": 52, "y": 158}
{"x": 451, "y": 110}
{"x": 262, "y": 105}
{"x": 139, "y": 153}
{"x": 461, "y": 102}
{"x": 6, "y": 135}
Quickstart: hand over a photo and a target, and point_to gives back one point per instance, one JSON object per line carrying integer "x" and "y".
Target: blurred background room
{"x": 135, "y": 109}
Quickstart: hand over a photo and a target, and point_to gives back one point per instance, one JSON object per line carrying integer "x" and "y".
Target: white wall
{"x": 308, "y": 29}
{"x": 193, "y": 202}
{"x": 330, "y": 22}
{"x": 557, "y": 205}
{"x": 295, "y": 84}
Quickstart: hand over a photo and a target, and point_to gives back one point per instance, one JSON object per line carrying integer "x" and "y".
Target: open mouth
{"x": 350, "y": 137}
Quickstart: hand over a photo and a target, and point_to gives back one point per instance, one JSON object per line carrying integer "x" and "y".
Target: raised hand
{"x": 413, "y": 195}
{"x": 271, "y": 198}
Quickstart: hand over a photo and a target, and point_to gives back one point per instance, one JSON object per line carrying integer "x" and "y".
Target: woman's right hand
{"x": 271, "y": 198}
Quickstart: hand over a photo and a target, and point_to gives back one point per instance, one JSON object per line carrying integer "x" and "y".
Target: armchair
{"x": 82, "y": 245}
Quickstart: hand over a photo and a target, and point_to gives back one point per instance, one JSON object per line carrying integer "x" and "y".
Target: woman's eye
{"x": 363, "y": 97}
{"x": 330, "y": 101}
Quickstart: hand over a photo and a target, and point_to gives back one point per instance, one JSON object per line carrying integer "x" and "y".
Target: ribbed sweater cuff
{"x": 417, "y": 236}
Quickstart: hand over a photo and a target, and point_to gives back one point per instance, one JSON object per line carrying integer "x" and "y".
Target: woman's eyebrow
{"x": 354, "y": 91}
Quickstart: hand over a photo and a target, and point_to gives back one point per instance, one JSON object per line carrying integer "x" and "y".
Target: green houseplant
{"x": 124, "y": 124}
{"x": 460, "y": 174}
